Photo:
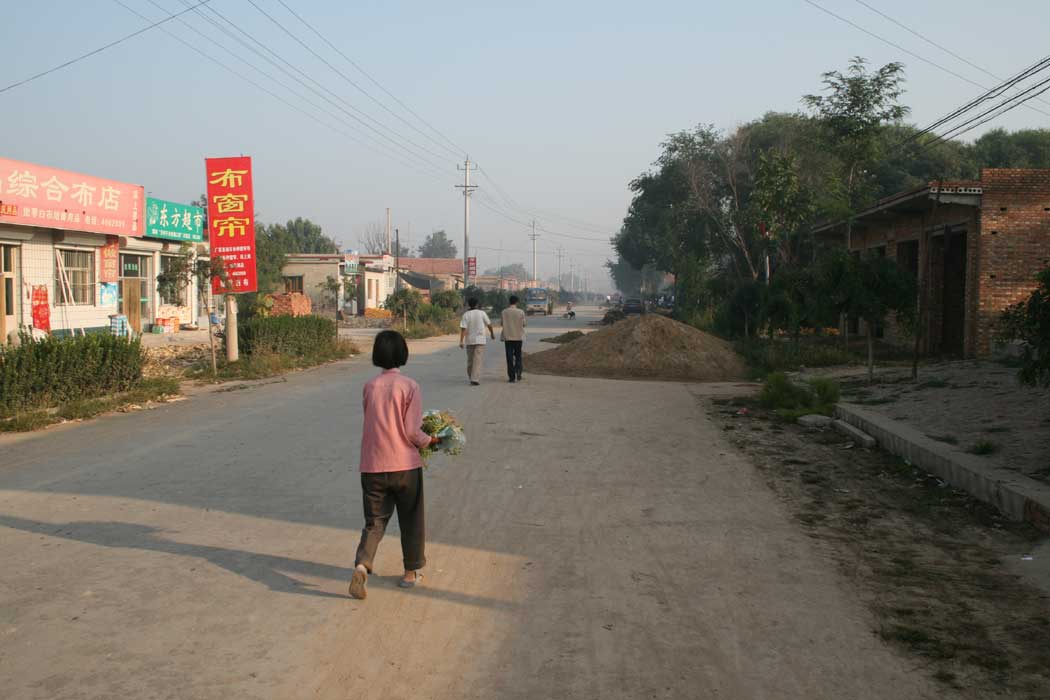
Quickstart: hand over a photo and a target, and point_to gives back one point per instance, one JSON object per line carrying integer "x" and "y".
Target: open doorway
{"x": 9, "y": 290}
{"x": 953, "y": 328}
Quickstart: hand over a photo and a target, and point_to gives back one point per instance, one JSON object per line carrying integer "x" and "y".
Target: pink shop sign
{"x": 36, "y": 195}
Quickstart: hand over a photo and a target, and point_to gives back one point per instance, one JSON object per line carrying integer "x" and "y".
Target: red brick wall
{"x": 1013, "y": 245}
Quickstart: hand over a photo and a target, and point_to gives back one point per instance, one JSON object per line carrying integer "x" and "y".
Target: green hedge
{"x": 47, "y": 372}
{"x": 302, "y": 336}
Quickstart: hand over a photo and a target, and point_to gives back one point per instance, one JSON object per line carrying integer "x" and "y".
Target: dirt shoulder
{"x": 970, "y": 406}
{"x": 936, "y": 569}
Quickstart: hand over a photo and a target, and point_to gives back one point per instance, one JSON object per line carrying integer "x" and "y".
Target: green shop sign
{"x": 173, "y": 221}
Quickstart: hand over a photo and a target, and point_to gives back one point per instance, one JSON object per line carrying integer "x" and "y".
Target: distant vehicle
{"x": 536, "y": 300}
{"x": 633, "y": 306}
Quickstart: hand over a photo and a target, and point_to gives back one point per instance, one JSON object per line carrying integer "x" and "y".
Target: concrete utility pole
{"x": 232, "y": 347}
{"x": 388, "y": 230}
{"x": 534, "y": 236}
{"x": 397, "y": 260}
{"x": 467, "y": 190}
{"x": 560, "y": 256}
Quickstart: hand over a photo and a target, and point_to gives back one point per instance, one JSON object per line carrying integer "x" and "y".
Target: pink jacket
{"x": 393, "y": 426}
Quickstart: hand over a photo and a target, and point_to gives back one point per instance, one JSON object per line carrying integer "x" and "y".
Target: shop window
{"x": 171, "y": 297}
{"x": 293, "y": 284}
{"x": 78, "y": 287}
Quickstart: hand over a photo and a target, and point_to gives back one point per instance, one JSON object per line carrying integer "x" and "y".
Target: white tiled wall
{"x": 37, "y": 266}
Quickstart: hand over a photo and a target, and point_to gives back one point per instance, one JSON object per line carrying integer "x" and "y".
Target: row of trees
{"x": 435, "y": 245}
{"x": 730, "y": 215}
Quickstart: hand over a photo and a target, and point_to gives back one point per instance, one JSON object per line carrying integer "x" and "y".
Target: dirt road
{"x": 598, "y": 539}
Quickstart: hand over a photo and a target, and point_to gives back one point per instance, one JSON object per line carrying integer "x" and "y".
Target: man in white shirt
{"x": 472, "y": 337}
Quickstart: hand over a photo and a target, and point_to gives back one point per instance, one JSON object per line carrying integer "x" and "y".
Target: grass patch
{"x": 790, "y": 400}
{"x": 27, "y": 422}
{"x": 564, "y": 337}
{"x": 154, "y": 389}
{"x": 262, "y": 364}
{"x": 984, "y": 448}
{"x": 417, "y": 330}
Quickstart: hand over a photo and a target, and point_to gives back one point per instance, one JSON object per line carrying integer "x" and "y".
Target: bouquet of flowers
{"x": 443, "y": 425}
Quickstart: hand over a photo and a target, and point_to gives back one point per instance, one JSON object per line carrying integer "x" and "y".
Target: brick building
{"x": 975, "y": 246}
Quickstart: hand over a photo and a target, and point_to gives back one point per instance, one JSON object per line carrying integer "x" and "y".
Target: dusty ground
{"x": 973, "y": 406}
{"x": 597, "y": 539}
{"x": 937, "y": 570}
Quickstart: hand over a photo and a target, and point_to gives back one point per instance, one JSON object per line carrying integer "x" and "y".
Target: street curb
{"x": 1017, "y": 496}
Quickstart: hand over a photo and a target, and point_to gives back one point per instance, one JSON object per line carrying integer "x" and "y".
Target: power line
{"x": 341, "y": 74}
{"x": 459, "y": 151}
{"x": 496, "y": 210}
{"x": 375, "y": 148}
{"x": 300, "y": 81}
{"x": 995, "y": 112}
{"x": 99, "y": 50}
{"x": 539, "y": 213}
{"x": 989, "y": 95}
{"x": 901, "y": 48}
{"x": 931, "y": 42}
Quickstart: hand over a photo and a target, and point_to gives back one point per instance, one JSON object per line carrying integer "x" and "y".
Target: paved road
{"x": 598, "y": 539}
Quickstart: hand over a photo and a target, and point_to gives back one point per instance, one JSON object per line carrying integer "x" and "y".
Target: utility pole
{"x": 397, "y": 260}
{"x": 388, "y": 230}
{"x": 534, "y": 236}
{"x": 467, "y": 190}
{"x": 232, "y": 345}
{"x": 560, "y": 256}
{"x": 499, "y": 263}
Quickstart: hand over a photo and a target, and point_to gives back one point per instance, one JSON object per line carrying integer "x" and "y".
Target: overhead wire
{"x": 931, "y": 42}
{"x": 380, "y": 149}
{"x": 905, "y": 50}
{"x": 341, "y": 74}
{"x": 353, "y": 112}
{"x": 100, "y": 49}
{"x": 458, "y": 150}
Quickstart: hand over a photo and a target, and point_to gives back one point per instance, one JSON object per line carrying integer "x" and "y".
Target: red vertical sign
{"x": 231, "y": 222}
{"x": 472, "y": 267}
{"x": 41, "y": 310}
{"x": 109, "y": 266}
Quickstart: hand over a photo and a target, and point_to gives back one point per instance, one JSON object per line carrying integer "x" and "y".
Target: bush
{"x": 1029, "y": 323}
{"x": 405, "y": 302}
{"x": 790, "y": 400}
{"x": 432, "y": 313}
{"x": 447, "y": 299}
{"x": 51, "y": 371}
{"x": 300, "y": 337}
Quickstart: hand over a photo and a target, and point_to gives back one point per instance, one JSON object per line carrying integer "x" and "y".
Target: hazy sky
{"x": 563, "y": 103}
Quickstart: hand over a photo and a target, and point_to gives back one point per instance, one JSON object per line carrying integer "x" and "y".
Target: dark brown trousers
{"x": 381, "y": 493}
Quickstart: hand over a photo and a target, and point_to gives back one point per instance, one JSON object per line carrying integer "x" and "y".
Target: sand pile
{"x": 644, "y": 347}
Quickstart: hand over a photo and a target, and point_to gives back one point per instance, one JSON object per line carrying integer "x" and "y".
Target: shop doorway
{"x": 134, "y": 302}
{"x": 9, "y": 306}
{"x": 953, "y": 330}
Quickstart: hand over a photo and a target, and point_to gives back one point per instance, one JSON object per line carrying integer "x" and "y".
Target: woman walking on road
{"x": 391, "y": 468}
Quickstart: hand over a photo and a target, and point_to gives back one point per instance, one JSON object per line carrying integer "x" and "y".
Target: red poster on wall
{"x": 41, "y": 310}
{"x": 231, "y": 222}
{"x": 109, "y": 261}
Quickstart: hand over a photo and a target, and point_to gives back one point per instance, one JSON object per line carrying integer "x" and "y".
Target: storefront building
{"x": 74, "y": 252}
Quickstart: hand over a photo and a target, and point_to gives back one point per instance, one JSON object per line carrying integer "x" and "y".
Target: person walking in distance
{"x": 513, "y": 336}
{"x": 472, "y": 337}
{"x": 391, "y": 468}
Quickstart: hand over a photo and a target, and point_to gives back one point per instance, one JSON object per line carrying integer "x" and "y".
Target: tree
{"x": 859, "y": 104}
{"x": 186, "y": 268}
{"x": 785, "y": 203}
{"x": 870, "y": 287}
{"x": 373, "y": 238}
{"x": 516, "y": 270}
{"x": 1029, "y": 322}
{"x": 437, "y": 245}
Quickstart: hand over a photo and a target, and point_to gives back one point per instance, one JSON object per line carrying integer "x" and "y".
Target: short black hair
{"x": 472, "y": 303}
{"x": 390, "y": 350}
{"x": 513, "y": 299}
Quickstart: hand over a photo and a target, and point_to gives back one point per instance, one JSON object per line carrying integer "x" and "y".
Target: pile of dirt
{"x": 644, "y": 347}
